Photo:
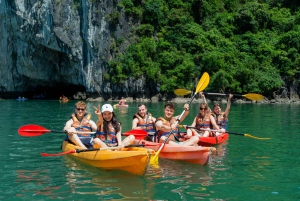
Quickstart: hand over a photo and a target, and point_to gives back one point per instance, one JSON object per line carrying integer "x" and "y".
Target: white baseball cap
{"x": 107, "y": 107}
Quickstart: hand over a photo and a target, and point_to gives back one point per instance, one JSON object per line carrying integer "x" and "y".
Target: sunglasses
{"x": 201, "y": 108}
{"x": 78, "y": 109}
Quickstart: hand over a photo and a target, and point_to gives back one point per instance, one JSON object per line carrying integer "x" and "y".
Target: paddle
{"x": 32, "y": 130}
{"x": 234, "y": 133}
{"x": 251, "y": 96}
{"x": 87, "y": 150}
{"x": 202, "y": 84}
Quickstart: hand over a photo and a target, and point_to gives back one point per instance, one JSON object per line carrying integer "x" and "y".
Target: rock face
{"x": 62, "y": 47}
{"x": 55, "y": 47}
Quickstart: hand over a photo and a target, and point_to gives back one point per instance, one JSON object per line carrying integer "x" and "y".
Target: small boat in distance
{"x": 63, "y": 99}
{"x": 21, "y": 99}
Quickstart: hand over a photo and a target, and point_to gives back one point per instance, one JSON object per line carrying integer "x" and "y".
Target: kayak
{"x": 203, "y": 141}
{"x": 212, "y": 141}
{"x": 134, "y": 160}
{"x": 191, "y": 154}
{"x": 21, "y": 99}
{"x": 120, "y": 106}
{"x": 64, "y": 100}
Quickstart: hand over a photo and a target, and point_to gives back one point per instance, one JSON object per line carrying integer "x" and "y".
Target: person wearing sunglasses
{"x": 167, "y": 124}
{"x": 109, "y": 133}
{"x": 79, "y": 123}
{"x": 220, "y": 117}
{"x": 204, "y": 121}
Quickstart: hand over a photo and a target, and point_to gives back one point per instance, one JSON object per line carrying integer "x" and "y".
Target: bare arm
{"x": 68, "y": 125}
{"x": 134, "y": 124}
{"x": 160, "y": 126}
{"x": 204, "y": 100}
{"x": 119, "y": 137}
{"x": 93, "y": 125}
{"x": 99, "y": 114}
{"x": 226, "y": 113}
{"x": 186, "y": 112}
{"x": 213, "y": 122}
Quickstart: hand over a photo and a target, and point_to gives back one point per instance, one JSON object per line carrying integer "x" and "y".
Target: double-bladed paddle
{"x": 202, "y": 84}
{"x": 234, "y": 133}
{"x": 33, "y": 130}
{"x": 87, "y": 150}
{"x": 251, "y": 96}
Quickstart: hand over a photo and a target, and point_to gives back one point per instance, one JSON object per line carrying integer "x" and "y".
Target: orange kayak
{"x": 191, "y": 154}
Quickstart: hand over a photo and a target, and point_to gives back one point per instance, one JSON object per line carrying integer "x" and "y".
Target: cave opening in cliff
{"x": 55, "y": 91}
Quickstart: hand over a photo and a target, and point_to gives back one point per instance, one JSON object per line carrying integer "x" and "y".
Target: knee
{"x": 195, "y": 139}
{"x": 131, "y": 138}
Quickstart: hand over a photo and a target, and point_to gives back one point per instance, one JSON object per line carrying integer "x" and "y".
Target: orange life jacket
{"x": 221, "y": 120}
{"x": 167, "y": 132}
{"x": 109, "y": 138}
{"x": 146, "y": 124}
{"x": 203, "y": 122}
{"x": 83, "y": 125}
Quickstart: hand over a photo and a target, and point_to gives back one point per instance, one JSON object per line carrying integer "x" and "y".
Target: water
{"x": 243, "y": 168}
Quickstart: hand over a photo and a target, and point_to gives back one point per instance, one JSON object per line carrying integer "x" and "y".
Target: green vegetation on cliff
{"x": 245, "y": 45}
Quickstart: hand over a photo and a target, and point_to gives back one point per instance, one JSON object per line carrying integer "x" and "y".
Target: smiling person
{"x": 80, "y": 121}
{"x": 203, "y": 120}
{"x": 164, "y": 125}
{"x": 109, "y": 133}
{"x": 143, "y": 120}
{"x": 221, "y": 117}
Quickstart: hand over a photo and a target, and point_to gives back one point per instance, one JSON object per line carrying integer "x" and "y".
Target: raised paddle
{"x": 202, "y": 84}
{"x": 251, "y": 96}
{"x": 234, "y": 133}
{"x": 32, "y": 130}
{"x": 87, "y": 150}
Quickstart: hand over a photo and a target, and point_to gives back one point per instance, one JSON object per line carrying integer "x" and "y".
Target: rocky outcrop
{"x": 57, "y": 47}
{"x": 63, "y": 46}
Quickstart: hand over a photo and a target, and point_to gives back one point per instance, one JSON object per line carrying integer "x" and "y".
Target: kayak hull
{"x": 212, "y": 141}
{"x": 191, "y": 154}
{"x": 134, "y": 160}
{"x": 121, "y": 106}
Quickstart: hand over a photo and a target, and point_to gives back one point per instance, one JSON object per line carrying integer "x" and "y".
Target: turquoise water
{"x": 243, "y": 168}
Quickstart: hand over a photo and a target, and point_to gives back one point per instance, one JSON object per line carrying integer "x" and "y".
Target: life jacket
{"x": 86, "y": 139}
{"x": 146, "y": 124}
{"x": 110, "y": 138}
{"x": 221, "y": 120}
{"x": 203, "y": 122}
{"x": 176, "y": 134}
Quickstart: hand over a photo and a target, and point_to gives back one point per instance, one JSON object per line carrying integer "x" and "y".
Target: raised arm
{"x": 186, "y": 112}
{"x": 99, "y": 114}
{"x": 226, "y": 113}
{"x": 204, "y": 100}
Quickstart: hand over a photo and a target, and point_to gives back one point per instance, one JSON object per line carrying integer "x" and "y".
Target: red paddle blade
{"x": 59, "y": 154}
{"x": 32, "y": 130}
{"x": 138, "y": 134}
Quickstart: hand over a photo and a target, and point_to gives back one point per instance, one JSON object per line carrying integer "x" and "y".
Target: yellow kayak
{"x": 134, "y": 160}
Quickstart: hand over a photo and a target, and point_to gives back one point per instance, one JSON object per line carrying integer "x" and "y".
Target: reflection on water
{"x": 105, "y": 184}
{"x": 242, "y": 168}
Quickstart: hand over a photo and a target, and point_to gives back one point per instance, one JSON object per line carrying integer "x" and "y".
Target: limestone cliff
{"x": 63, "y": 46}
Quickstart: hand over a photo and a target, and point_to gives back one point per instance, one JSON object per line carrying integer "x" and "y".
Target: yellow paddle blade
{"x": 203, "y": 82}
{"x": 182, "y": 92}
{"x": 258, "y": 138}
{"x": 154, "y": 159}
{"x": 253, "y": 96}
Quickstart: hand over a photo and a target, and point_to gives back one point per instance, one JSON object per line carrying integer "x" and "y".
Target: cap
{"x": 107, "y": 107}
